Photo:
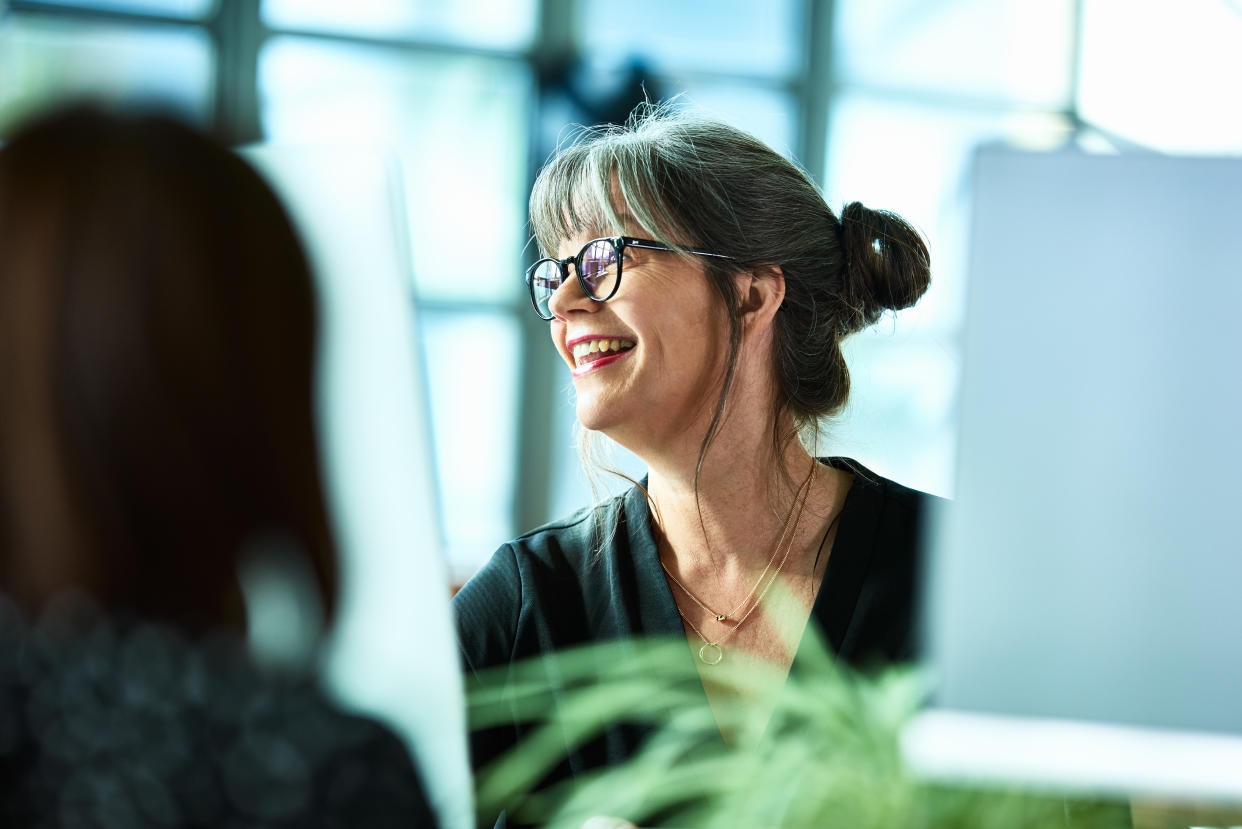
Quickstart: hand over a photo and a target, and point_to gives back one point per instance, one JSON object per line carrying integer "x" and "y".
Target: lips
{"x": 593, "y": 351}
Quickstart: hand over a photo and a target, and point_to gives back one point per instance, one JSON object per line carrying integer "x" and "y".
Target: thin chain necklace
{"x": 722, "y": 617}
{"x": 712, "y": 652}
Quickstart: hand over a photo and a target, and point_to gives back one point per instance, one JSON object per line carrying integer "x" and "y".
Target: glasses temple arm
{"x": 644, "y": 244}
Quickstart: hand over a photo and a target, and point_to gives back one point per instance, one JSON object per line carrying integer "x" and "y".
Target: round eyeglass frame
{"x": 620, "y": 243}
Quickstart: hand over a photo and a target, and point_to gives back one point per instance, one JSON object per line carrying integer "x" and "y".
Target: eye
{"x": 597, "y": 259}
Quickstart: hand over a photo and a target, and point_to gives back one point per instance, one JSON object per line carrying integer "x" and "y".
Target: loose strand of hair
{"x": 713, "y": 428}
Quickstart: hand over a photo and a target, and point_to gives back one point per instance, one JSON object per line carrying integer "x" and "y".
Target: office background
{"x": 882, "y": 101}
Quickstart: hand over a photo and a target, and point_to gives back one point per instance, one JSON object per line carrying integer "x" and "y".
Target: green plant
{"x": 818, "y": 749}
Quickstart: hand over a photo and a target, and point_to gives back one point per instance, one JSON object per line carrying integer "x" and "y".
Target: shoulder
{"x": 362, "y": 771}
{"x": 878, "y": 566}
{"x": 347, "y": 765}
{"x": 567, "y": 539}
{"x": 555, "y": 547}
{"x": 197, "y": 721}
{"x": 570, "y": 542}
{"x": 541, "y": 574}
{"x": 894, "y": 506}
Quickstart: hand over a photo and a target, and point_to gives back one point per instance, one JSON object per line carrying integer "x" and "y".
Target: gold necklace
{"x": 712, "y": 653}
{"x": 804, "y": 487}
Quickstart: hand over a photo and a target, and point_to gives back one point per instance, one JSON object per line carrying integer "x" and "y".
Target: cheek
{"x": 713, "y": 327}
{"x": 701, "y": 355}
{"x": 556, "y": 331}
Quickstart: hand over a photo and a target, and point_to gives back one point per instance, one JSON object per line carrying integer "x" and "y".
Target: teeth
{"x": 582, "y": 349}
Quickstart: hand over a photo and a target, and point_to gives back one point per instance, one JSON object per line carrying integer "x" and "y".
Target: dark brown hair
{"x": 693, "y": 182}
{"x": 157, "y": 337}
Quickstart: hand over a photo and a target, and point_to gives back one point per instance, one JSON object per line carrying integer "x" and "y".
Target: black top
{"x": 135, "y": 726}
{"x": 548, "y": 590}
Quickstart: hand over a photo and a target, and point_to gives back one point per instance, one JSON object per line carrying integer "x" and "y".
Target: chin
{"x": 601, "y": 411}
{"x": 593, "y": 417}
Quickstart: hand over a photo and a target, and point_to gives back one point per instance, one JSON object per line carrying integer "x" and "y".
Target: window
{"x": 883, "y": 101}
{"x": 46, "y": 58}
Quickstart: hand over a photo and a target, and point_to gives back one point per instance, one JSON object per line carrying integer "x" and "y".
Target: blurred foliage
{"x": 821, "y": 752}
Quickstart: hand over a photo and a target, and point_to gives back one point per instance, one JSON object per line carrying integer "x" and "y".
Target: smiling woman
{"x": 669, "y": 367}
{"x": 699, "y": 289}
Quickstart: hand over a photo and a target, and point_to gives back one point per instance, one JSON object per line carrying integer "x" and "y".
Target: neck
{"x": 730, "y": 510}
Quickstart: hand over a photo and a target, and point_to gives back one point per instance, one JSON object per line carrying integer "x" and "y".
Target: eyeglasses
{"x": 598, "y": 266}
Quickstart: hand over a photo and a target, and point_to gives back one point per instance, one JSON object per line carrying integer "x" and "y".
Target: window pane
{"x": 460, "y": 126}
{"x": 493, "y": 23}
{"x": 472, "y": 370}
{"x": 610, "y": 93}
{"x": 732, "y": 36}
{"x": 900, "y": 417}
{"x": 915, "y": 161}
{"x": 768, "y": 114}
{"x": 1164, "y": 75}
{"x": 45, "y": 62}
{"x": 170, "y": 8}
{"x": 1015, "y": 50}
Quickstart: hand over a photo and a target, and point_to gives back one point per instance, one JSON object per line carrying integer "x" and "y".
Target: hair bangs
{"x": 607, "y": 184}
{"x": 571, "y": 197}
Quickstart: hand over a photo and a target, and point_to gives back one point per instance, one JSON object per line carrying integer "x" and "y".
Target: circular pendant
{"x": 711, "y": 653}
{"x": 722, "y": 617}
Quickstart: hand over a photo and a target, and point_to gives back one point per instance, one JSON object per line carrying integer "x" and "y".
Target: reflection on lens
{"x": 599, "y": 268}
{"x": 543, "y": 283}
{"x": 548, "y": 276}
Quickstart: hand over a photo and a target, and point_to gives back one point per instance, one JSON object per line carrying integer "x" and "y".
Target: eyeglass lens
{"x": 543, "y": 284}
{"x": 597, "y": 263}
{"x": 599, "y": 268}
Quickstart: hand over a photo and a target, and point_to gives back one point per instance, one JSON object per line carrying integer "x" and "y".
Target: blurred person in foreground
{"x": 699, "y": 289}
{"x": 166, "y": 562}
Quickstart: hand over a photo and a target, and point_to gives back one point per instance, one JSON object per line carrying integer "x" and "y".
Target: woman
{"x": 160, "y": 498}
{"x": 699, "y": 289}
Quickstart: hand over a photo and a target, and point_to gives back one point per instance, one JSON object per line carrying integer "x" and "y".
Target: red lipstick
{"x": 584, "y": 363}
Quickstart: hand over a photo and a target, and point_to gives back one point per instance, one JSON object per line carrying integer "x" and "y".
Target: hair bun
{"x": 887, "y": 267}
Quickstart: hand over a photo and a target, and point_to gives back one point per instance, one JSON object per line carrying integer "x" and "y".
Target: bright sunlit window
{"x": 884, "y": 102}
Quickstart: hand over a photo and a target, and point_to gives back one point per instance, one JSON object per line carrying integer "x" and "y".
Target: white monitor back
{"x": 1084, "y": 601}
{"x": 393, "y": 652}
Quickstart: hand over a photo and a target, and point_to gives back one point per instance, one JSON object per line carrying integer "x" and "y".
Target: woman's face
{"x": 669, "y": 379}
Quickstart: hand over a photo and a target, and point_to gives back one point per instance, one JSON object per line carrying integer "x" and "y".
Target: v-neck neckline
{"x": 839, "y": 588}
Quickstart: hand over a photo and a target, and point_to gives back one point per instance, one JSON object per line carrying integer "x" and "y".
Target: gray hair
{"x": 689, "y": 181}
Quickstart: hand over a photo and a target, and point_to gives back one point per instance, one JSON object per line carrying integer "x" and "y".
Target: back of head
{"x": 697, "y": 183}
{"x": 157, "y": 332}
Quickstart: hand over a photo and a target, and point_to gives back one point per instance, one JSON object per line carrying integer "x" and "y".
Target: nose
{"x": 570, "y": 297}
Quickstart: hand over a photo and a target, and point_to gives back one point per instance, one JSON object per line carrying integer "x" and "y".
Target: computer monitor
{"x": 1084, "y": 593}
{"x": 393, "y": 652}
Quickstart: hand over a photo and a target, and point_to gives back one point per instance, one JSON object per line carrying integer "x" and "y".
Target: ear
{"x": 762, "y": 291}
